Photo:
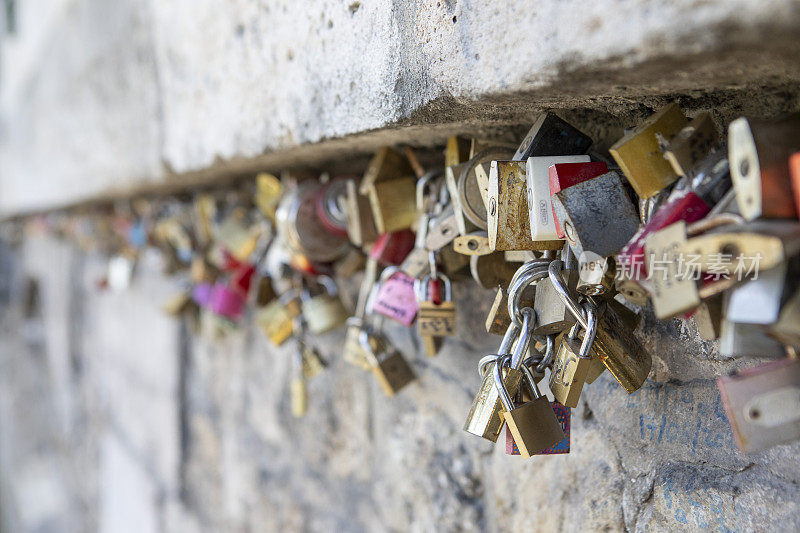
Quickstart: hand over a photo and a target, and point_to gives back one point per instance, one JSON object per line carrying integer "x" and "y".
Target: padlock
{"x": 596, "y": 275}
{"x": 331, "y": 205}
{"x": 300, "y": 228}
{"x": 484, "y": 418}
{"x": 226, "y": 302}
{"x": 236, "y": 238}
{"x": 452, "y": 176}
{"x": 395, "y": 298}
{"x": 392, "y": 248}
{"x": 755, "y": 246}
{"x": 563, "y": 414}
{"x": 763, "y": 404}
{"x": 442, "y": 230}
{"x": 352, "y": 352}
{"x": 507, "y": 216}
{"x": 597, "y": 215}
{"x": 205, "y": 211}
{"x": 491, "y": 270}
{"x": 473, "y": 185}
{"x": 389, "y": 366}
{"x": 498, "y": 319}
{"x": 563, "y": 175}
{"x": 313, "y": 363}
{"x": 435, "y": 319}
{"x": 706, "y": 185}
{"x": 533, "y": 425}
{"x": 639, "y": 156}
{"x": 453, "y": 263}
{"x": 572, "y": 361}
{"x": 673, "y": 291}
{"x": 759, "y": 300}
{"x": 360, "y": 224}
{"x": 553, "y": 316}
{"x": 614, "y": 343}
{"x": 276, "y": 318}
{"x": 456, "y": 150}
{"x": 475, "y": 243}
{"x": 417, "y": 260}
{"x": 268, "y": 194}
{"x": 389, "y": 184}
{"x": 540, "y": 207}
{"x": 324, "y": 312}
{"x": 691, "y": 145}
{"x": 201, "y": 294}
{"x": 550, "y": 135}
{"x": 759, "y": 152}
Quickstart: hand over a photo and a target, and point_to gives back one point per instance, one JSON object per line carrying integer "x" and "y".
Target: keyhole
{"x": 744, "y": 167}
{"x": 472, "y": 245}
{"x": 492, "y": 207}
{"x": 755, "y": 414}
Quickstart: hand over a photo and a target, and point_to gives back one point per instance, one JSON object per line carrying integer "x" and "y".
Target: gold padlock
{"x": 507, "y": 215}
{"x": 360, "y": 223}
{"x": 434, "y": 320}
{"x": 691, "y": 144}
{"x": 485, "y": 415}
{"x": 498, "y": 319}
{"x": 276, "y": 318}
{"x": 572, "y": 361}
{"x": 639, "y": 156}
{"x": 389, "y": 366}
{"x": 352, "y": 352}
{"x": 324, "y": 312}
{"x": 390, "y": 185}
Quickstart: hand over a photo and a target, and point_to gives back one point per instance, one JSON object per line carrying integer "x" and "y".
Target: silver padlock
{"x": 550, "y": 135}
{"x": 597, "y": 215}
{"x": 540, "y": 206}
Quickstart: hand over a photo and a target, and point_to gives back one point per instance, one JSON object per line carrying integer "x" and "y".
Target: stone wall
{"x": 114, "y": 418}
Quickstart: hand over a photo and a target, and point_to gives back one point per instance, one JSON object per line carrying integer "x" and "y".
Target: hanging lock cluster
{"x": 570, "y": 241}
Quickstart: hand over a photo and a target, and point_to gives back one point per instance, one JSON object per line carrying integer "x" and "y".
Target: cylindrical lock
{"x": 300, "y": 226}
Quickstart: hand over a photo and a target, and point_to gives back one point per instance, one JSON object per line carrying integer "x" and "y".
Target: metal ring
{"x": 531, "y": 272}
{"x": 485, "y": 362}
{"x": 524, "y": 338}
{"x": 549, "y": 354}
{"x": 591, "y": 331}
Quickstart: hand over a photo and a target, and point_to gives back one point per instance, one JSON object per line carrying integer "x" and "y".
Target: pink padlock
{"x": 227, "y": 302}
{"x": 395, "y": 298}
{"x": 201, "y": 294}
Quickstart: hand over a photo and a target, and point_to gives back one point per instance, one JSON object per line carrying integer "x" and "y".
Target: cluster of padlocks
{"x": 572, "y": 241}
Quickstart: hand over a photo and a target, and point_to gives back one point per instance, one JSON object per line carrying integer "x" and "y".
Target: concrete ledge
{"x": 151, "y": 95}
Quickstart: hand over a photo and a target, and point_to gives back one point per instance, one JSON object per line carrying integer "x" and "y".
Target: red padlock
{"x": 392, "y": 248}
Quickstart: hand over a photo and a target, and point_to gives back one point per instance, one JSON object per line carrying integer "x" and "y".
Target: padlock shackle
{"x": 505, "y": 397}
{"x": 421, "y": 287}
{"x": 524, "y": 338}
{"x": 530, "y": 272}
{"x": 591, "y": 331}
{"x": 561, "y": 288}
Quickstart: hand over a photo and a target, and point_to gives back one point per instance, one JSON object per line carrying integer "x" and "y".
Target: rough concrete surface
{"x": 106, "y": 98}
{"x": 114, "y": 418}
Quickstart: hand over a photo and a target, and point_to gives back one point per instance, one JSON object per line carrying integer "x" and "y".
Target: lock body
{"x": 763, "y": 404}
{"x": 597, "y": 215}
{"x": 551, "y": 135}
{"x": 437, "y": 320}
{"x": 396, "y": 299}
{"x": 540, "y": 207}
{"x": 692, "y": 144}
{"x": 639, "y": 155}
{"x": 563, "y": 415}
{"x": 392, "y": 371}
{"x": 621, "y": 352}
{"x": 552, "y": 314}
{"x": 485, "y": 418}
{"x": 534, "y": 427}
{"x": 390, "y": 186}
{"x": 324, "y": 313}
{"x": 563, "y": 175}
{"x": 569, "y": 373}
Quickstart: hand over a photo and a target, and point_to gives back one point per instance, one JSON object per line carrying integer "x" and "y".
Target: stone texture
{"x": 114, "y": 418}
{"x": 100, "y": 99}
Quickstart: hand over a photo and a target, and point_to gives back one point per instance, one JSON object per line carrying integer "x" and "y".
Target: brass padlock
{"x": 691, "y": 144}
{"x": 435, "y": 319}
{"x": 457, "y": 150}
{"x": 507, "y": 215}
{"x": 498, "y": 319}
{"x": 485, "y": 418}
{"x": 572, "y": 361}
{"x": 553, "y": 316}
{"x": 360, "y": 224}
{"x": 298, "y": 388}
{"x": 276, "y": 318}
{"x": 390, "y": 184}
{"x": 614, "y": 343}
{"x": 389, "y": 366}
{"x": 268, "y": 194}
{"x": 491, "y": 270}
{"x": 352, "y": 352}
{"x": 639, "y": 156}
{"x": 533, "y": 425}
{"x": 759, "y": 153}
